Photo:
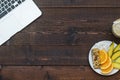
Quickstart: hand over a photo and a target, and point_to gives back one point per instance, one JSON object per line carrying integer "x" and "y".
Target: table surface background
{"x": 56, "y": 45}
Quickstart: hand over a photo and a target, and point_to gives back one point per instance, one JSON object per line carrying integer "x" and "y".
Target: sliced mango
{"x": 116, "y": 55}
{"x": 116, "y": 65}
{"x": 117, "y": 60}
{"x": 110, "y": 51}
{"x": 116, "y": 48}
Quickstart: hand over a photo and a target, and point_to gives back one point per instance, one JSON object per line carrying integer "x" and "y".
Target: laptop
{"x": 16, "y": 15}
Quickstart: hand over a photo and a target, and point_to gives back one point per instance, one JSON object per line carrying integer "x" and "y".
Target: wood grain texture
{"x": 57, "y": 25}
{"x": 56, "y": 45}
{"x": 55, "y": 18}
{"x": 52, "y": 73}
{"x": 78, "y": 3}
{"x": 44, "y": 55}
{"x": 22, "y": 73}
{"x": 69, "y": 38}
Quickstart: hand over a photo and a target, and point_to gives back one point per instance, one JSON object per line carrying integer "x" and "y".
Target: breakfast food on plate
{"x": 116, "y": 65}
{"x": 111, "y": 49}
{"x": 96, "y": 58}
{"x": 117, "y": 60}
{"x": 116, "y": 55}
{"x": 107, "y": 66}
{"x": 108, "y": 70}
{"x": 103, "y": 56}
{"x": 116, "y": 48}
{"x": 106, "y": 61}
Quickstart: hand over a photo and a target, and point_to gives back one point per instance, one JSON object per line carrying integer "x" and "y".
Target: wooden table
{"x": 56, "y": 46}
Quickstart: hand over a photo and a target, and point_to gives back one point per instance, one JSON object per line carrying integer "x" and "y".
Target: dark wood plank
{"x": 76, "y": 73}
{"x": 60, "y": 37}
{"x": 77, "y": 16}
{"x": 53, "y": 73}
{"x": 22, "y": 73}
{"x": 60, "y": 55}
{"x": 58, "y": 25}
{"x": 56, "y": 45}
{"x": 78, "y": 3}
{"x": 16, "y": 55}
{"x": 63, "y": 38}
{"x": 44, "y": 55}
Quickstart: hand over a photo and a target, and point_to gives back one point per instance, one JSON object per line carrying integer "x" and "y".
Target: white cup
{"x": 116, "y": 28}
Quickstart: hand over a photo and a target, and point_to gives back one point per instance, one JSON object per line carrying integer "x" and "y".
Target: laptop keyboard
{"x": 7, "y": 6}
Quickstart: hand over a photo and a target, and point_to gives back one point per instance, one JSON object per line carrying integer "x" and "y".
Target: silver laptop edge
{"x": 18, "y": 19}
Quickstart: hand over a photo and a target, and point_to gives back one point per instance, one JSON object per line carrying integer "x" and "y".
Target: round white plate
{"x": 101, "y": 45}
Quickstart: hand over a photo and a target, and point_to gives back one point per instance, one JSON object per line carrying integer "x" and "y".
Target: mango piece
{"x": 117, "y": 60}
{"x": 116, "y": 55}
{"x": 116, "y": 65}
{"x": 116, "y": 48}
{"x": 110, "y": 51}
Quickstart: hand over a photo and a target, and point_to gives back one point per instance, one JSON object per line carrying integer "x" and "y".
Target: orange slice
{"x": 108, "y": 70}
{"x": 106, "y": 64}
{"x": 103, "y": 56}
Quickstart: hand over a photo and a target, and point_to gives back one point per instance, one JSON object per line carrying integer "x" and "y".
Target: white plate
{"x": 101, "y": 45}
